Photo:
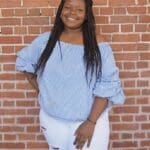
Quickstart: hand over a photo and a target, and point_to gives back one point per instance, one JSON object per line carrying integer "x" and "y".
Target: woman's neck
{"x": 72, "y": 36}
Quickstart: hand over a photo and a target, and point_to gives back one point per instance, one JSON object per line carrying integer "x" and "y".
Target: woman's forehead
{"x": 75, "y": 2}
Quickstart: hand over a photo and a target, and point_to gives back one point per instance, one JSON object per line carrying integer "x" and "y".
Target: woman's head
{"x": 73, "y": 14}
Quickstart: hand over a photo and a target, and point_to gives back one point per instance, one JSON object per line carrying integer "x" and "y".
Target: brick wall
{"x": 124, "y": 23}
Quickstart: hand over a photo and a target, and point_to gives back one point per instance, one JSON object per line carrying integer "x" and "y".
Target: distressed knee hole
{"x": 42, "y": 129}
{"x": 55, "y": 148}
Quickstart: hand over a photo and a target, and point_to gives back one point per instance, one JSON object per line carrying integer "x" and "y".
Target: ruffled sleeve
{"x": 108, "y": 84}
{"x": 28, "y": 56}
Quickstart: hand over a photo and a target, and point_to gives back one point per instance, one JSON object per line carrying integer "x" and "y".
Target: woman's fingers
{"x": 89, "y": 141}
{"x": 79, "y": 141}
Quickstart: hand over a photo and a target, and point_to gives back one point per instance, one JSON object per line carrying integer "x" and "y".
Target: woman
{"x": 77, "y": 80}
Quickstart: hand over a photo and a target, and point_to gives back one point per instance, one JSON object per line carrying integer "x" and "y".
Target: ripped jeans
{"x": 60, "y": 133}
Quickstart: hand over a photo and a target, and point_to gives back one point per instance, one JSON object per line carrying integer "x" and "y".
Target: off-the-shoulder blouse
{"x": 63, "y": 89}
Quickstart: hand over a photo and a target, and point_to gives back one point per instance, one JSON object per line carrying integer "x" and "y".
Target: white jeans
{"x": 60, "y": 133}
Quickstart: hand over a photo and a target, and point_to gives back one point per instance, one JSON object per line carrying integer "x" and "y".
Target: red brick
{"x": 35, "y": 3}
{"x": 119, "y": 10}
{"x": 121, "y": 2}
{"x": 25, "y": 103}
{"x": 10, "y": 40}
{"x": 126, "y": 136}
{"x": 126, "y": 109}
{"x": 25, "y": 137}
{"x": 145, "y": 143}
{"x": 145, "y": 73}
{"x": 7, "y": 12}
{"x": 10, "y": 21}
{"x": 132, "y": 92}
{"x": 144, "y": 19}
{"x": 146, "y": 91}
{"x": 114, "y": 118}
{"x": 145, "y": 109}
{"x": 142, "y": 83}
{"x": 21, "y": 12}
{"x": 127, "y": 118}
{"x": 8, "y": 50}
{"x": 8, "y": 103}
{"x": 32, "y": 111}
{"x": 141, "y": 118}
{"x": 20, "y": 30}
{"x": 8, "y": 120}
{"x": 34, "y": 30}
{"x": 9, "y": 137}
{"x": 8, "y": 67}
{"x": 25, "y": 120}
{"x": 12, "y": 111}
{"x": 34, "y": 12}
{"x": 123, "y": 19}
{"x": 100, "y": 2}
{"x": 129, "y": 83}
{"x": 127, "y": 28}
{"x": 126, "y": 56}
{"x": 8, "y": 3}
{"x": 125, "y": 74}
{"x": 36, "y": 21}
{"x": 139, "y": 135}
{"x": 114, "y": 136}
{"x": 33, "y": 129}
{"x": 109, "y": 28}
{"x": 136, "y": 10}
{"x": 142, "y": 2}
{"x": 129, "y": 65}
{"x": 140, "y": 28}
{"x": 12, "y": 145}
{"x": 145, "y": 126}
{"x": 55, "y": 3}
{"x": 146, "y": 37}
{"x": 126, "y": 38}
{"x": 142, "y": 64}
{"x": 6, "y": 30}
{"x": 106, "y": 11}
{"x": 35, "y": 145}
{"x": 8, "y": 85}
{"x": 125, "y": 144}
{"x": 101, "y": 19}
{"x": 142, "y": 100}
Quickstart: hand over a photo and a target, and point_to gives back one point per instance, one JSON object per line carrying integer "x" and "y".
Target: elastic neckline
{"x": 79, "y": 45}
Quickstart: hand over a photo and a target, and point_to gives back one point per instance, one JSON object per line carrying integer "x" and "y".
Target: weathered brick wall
{"x": 124, "y": 23}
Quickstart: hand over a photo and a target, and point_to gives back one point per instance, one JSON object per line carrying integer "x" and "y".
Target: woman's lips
{"x": 71, "y": 19}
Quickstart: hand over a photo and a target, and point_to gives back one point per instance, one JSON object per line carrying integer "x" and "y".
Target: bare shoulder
{"x": 100, "y": 38}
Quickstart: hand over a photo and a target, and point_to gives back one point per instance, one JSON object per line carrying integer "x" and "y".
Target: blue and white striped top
{"x": 63, "y": 89}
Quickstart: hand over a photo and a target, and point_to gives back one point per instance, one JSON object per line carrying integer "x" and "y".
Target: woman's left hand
{"x": 84, "y": 133}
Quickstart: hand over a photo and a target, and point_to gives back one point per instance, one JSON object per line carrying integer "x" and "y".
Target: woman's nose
{"x": 73, "y": 11}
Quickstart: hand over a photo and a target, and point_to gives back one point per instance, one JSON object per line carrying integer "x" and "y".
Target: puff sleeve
{"x": 28, "y": 56}
{"x": 108, "y": 84}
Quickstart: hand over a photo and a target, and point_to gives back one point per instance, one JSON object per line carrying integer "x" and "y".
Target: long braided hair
{"x": 92, "y": 55}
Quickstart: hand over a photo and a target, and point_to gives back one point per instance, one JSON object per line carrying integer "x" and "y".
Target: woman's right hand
{"x": 32, "y": 79}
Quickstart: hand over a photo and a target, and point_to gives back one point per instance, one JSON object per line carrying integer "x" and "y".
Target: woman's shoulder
{"x": 44, "y": 35}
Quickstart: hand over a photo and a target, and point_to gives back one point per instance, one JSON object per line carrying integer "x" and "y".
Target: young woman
{"x": 76, "y": 78}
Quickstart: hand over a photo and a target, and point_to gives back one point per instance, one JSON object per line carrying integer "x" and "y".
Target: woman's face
{"x": 73, "y": 14}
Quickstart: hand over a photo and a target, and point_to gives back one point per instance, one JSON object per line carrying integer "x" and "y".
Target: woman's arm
{"x": 98, "y": 106}
{"x": 85, "y": 131}
{"x": 32, "y": 79}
